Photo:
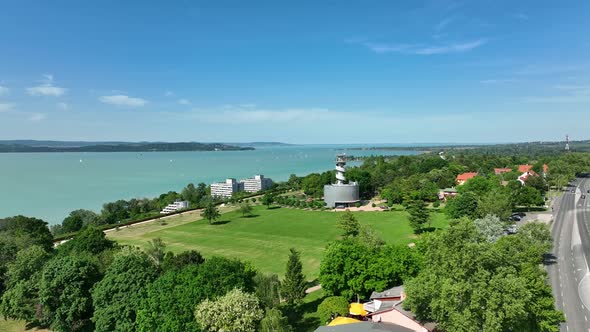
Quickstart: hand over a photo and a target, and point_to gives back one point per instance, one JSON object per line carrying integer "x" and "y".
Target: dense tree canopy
{"x": 351, "y": 268}
{"x": 117, "y": 297}
{"x": 64, "y": 293}
{"x": 470, "y": 284}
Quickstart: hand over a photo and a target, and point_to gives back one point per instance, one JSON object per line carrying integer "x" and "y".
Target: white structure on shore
{"x": 256, "y": 184}
{"x": 178, "y": 205}
{"x": 231, "y": 186}
{"x": 341, "y": 193}
{"x": 226, "y": 189}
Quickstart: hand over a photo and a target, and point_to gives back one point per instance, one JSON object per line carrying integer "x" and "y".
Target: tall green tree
{"x": 64, "y": 293}
{"x": 245, "y": 209}
{"x": 78, "y": 219}
{"x": 268, "y": 199}
{"x": 90, "y": 240}
{"x": 349, "y": 224}
{"x": 463, "y": 205}
{"x": 294, "y": 285}
{"x": 117, "y": 297}
{"x": 236, "y": 311}
{"x": 496, "y": 202}
{"x": 210, "y": 212}
{"x": 419, "y": 215}
{"x": 21, "y": 299}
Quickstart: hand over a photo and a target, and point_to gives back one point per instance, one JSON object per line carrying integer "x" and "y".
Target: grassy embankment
{"x": 264, "y": 238}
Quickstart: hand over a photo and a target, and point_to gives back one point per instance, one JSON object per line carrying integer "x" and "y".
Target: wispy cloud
{"x": 46, "y": 88}
{"x": 421, "y": 49}
{"x": 4, "y": 91}
{"x": 184, "y": 101}
{"x": 123, "y": 100}
{"x": 443, "y": 24}
{"x": 6, "y": 107}
{"x": 62, "y": 106}
{"x": 168, "y": 93}
{"x": 38, "y": 117}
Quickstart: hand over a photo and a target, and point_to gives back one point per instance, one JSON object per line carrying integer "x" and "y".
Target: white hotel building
{"x": 230, "y": 186}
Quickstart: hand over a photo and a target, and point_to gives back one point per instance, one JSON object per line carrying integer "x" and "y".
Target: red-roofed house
{"x": 545, "y": 168}
{"x": 524, "y": 168}
{"x": 526, "y": 175}
{"x": 499, "y": 171}
{"x": 462, "y": 178}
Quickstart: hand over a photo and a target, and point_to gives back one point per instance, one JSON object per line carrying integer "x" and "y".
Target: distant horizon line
{"x": 24, "y": 141}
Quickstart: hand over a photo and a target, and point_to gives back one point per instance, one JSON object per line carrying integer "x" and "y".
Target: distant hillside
{"x": 525, "y": 148}
{"x": 37, "y": 146}
{"x": 261, "y": 144}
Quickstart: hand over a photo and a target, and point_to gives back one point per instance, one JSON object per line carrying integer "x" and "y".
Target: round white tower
{"x": 340, "y": 168}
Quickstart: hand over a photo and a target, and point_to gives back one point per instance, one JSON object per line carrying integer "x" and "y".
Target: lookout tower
{"x": 342, "y": 193}
{"x": 567, "y": 143}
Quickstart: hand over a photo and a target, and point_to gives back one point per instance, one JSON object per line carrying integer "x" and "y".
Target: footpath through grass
{"x": 264, "y": 239}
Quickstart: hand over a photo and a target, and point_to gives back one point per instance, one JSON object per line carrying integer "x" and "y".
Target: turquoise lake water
{"x": 50, "y": 185}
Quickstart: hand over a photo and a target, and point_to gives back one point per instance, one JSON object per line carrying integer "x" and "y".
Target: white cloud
{"x": 4, "y": 91}
{"x": 123, "y": 100}
{"x": 425, "y": 49}
{"x": 168, "y": 93}
{"x": 62, "y": 106}
{"x": 443, "y": 24}
{"x": 38, "y": 117}
{"x": 184, "y": 101}
{"x": 46, "y": 88}
{"x": 5, "y": 107}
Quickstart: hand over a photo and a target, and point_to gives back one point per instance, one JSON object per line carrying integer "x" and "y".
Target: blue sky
{"x": 300, "y": 72}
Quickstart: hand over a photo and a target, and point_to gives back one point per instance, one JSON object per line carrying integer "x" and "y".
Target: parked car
{"x": 520, "y": 214}
{"x": 583, "y": 196}
{"x": 588, "y": 191}
{"x": 515, "y": 218}
{"x": 511, "y": 229}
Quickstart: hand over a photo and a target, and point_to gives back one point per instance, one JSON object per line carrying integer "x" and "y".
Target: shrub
{"x": 332, "y": 307}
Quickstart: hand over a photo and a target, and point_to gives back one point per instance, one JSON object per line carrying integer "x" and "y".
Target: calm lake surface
{"x": 50, "y": 185}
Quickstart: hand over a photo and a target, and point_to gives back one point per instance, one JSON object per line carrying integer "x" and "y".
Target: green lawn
{"x": 9, "y": 325}
{"x": 265, "y": 239}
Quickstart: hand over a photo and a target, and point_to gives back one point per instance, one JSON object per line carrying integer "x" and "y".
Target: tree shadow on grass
{"x": 220, "y": 222}
{"x": 307, "y": 323}
{"x": 273, "y": 207}
{"x": 251, "y": 216}
{"x": 427, "y": 230}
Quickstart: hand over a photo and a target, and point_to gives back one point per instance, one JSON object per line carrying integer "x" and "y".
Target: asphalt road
{"x": 569, "y": 273}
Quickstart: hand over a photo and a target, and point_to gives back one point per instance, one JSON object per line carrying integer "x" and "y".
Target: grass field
{"x": 265, "y": 238}
{"x": 9, "y": 325}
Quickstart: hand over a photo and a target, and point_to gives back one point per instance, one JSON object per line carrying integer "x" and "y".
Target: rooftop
{"x": 392, "y": 292}
{"x": 364, "y": 327}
